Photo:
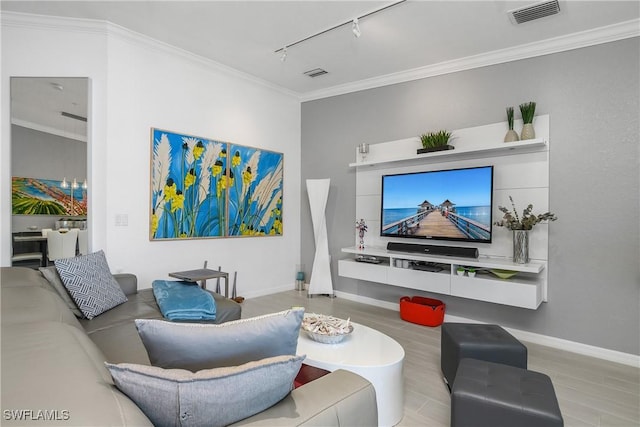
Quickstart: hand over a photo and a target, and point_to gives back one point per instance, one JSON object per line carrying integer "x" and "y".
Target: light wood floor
{"x": 590, "y": 391}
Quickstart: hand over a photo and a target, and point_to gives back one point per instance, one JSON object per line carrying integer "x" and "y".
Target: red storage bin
{"x": 423, "y": 311}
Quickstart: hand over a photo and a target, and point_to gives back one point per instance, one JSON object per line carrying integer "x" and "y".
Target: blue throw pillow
{"x": 211, "y": 397}
{"x": 197, "y": 346}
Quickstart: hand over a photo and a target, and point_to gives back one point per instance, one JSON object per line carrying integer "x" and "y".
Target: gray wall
{"x": 592, "y": 97}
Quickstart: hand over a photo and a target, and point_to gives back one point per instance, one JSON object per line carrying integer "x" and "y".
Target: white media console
{"x": 524, "y": 290}
{"x": 521, "y": 170}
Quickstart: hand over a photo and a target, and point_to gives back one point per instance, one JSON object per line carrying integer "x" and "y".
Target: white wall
{"x": 141, "y": 84}
{"x": 30, "y": 47}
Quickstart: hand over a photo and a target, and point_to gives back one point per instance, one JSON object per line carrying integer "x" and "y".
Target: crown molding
{"x": 48, "y": 129}
{"x": 611, "y": 33}
{"x": 615, "y": 32}
{"x": 52, "y": 23}
{"x": 56, "y": 23}
{"x": 133, "y": 37}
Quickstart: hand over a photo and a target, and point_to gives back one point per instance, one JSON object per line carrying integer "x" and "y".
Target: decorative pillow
{"x": 90, "y": 283}
{"x": 196, "y": 346}
{"x": 51, "y": 274}
{"x": 211, "y": 397}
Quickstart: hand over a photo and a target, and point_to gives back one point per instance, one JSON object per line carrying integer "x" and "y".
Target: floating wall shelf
{"x": 468, "y": 152}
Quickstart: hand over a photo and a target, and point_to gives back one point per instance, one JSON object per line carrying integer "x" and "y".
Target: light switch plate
{"x": 122, "y": 220}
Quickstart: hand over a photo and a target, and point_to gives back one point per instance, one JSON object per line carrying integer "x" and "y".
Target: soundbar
{"x": 455, "y": 251}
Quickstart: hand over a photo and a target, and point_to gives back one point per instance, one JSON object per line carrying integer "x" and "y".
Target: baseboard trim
{"x": 548, "y": 341}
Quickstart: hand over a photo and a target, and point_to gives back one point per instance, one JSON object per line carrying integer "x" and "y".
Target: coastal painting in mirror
{"x": 203, "y": 188}
{"x": 35, "y": 196}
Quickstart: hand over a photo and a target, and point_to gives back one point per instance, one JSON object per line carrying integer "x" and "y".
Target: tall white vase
{"x": 320, "y": 281}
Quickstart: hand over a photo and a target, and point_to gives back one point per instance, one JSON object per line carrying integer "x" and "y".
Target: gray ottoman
{"x": 493, "y": 394}
{"x": 477, "y": 341}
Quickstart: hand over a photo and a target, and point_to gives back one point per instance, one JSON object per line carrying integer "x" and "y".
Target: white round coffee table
{"x": 370, "y": 354}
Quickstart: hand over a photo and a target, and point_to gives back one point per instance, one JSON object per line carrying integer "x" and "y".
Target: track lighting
{"x": 355, "y": 28}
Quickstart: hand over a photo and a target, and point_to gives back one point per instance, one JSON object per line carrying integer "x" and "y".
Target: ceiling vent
{"x": 73, "y": 116}
{"x": 315, "y": 72}
{"x": 534, "y": 11}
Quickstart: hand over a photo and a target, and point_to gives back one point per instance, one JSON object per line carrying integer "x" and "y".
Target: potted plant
{"x": 528, "y": 110}
{"x": 511, "y": 135}
{"x": 521, "y": 225}
{"x": 435, "y": 141}
{"x": 460, "y": 271}
{"x": 471, "y": 272}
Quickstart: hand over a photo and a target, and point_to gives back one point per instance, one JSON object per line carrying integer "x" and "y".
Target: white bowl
{"x": 333, "y": 335}
{"x": 328, "y": 339}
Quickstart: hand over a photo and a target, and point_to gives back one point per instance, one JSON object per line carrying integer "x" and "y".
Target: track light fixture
{"x": 355, "y": 29}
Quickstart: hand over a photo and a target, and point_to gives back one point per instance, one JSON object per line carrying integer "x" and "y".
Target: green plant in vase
{"x": 528, "y": 111}
{"x": 435, "y": 141}
{"x": 511, "y": 135}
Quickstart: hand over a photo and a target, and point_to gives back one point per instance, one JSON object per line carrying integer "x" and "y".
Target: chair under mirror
{"x": 62, "y": 245}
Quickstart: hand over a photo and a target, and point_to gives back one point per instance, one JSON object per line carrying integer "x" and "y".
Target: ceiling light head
{"x": 284, "y": 54}
{"x": 355, "y": 28}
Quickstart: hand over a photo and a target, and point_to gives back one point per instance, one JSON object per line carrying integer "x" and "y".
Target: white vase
{"x": 528, "y": 132}
{"x": 320, "y": 281}
{"x": 511, "y": 136}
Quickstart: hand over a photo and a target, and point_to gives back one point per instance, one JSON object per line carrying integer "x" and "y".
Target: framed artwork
{"x": 35, "y": 196}
{"x": 203, "y": 188}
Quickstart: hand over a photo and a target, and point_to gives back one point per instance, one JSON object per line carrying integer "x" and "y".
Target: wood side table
{"x": 201, "y": 275}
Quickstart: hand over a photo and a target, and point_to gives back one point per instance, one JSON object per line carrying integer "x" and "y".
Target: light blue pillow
{"x": 208, "y": 398}
{"x": 90, "y": 283}
{"x": 196, "y": 346}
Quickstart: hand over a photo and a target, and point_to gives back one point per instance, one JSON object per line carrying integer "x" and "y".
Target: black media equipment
{"x": 454, "y": 251}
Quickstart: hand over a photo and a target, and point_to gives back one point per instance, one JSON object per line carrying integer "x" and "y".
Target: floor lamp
{"x": 320, "y": 282}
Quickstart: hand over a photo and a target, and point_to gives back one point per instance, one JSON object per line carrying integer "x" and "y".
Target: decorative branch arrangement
{"x": 513, "y": 221}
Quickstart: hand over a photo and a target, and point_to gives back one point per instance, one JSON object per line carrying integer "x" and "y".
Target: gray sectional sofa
{"x": 53, "y": 370}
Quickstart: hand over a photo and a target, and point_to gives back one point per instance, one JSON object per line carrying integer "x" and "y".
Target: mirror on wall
{"x": 49, "y": 152}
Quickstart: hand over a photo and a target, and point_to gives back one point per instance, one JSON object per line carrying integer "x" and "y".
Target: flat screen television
{"x": 453, "y": 204}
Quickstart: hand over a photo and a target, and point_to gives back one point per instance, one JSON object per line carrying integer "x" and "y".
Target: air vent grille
{"x": 535, "y": 11}
{"x": 315, "y": 72}
{"x": 73, "y": 116}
